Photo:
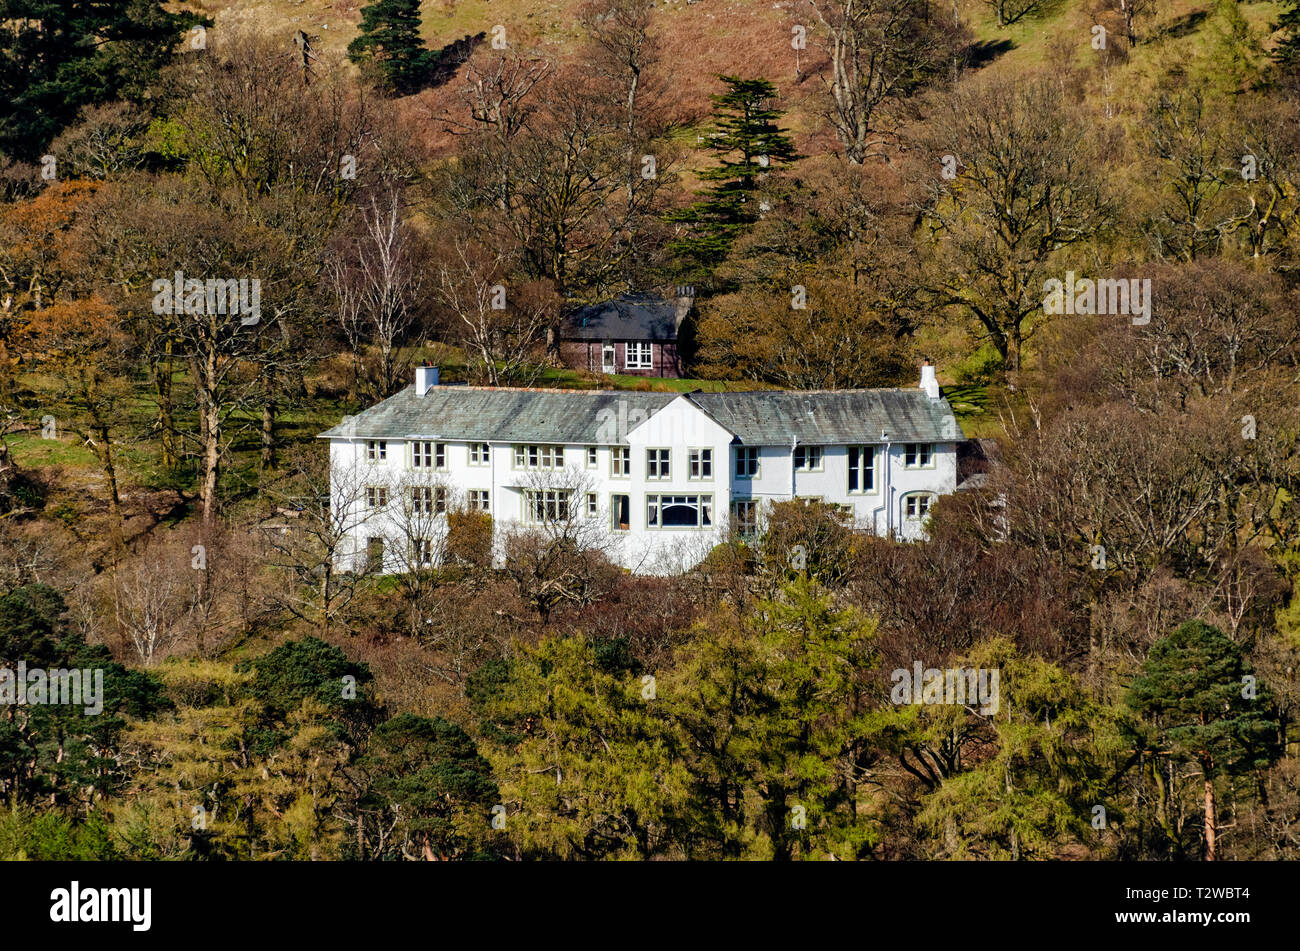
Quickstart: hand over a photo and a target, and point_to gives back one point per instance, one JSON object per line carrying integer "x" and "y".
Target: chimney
{"x": 685, "y": 301}
{"x": 928, "y": 381}
{"x": 425, "y": 378}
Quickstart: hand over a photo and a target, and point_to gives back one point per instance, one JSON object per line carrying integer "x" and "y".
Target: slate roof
{"x": 627, "y": 317}
{"x": 473, "y": 413}
{"x": 767, "y": 417}
{"x": 830, "y": 417}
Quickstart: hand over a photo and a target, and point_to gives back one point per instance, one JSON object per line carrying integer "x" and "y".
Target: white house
{"x": 661, "y": 478}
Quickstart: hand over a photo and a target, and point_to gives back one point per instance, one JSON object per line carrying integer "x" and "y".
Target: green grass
{"x": 30, "y": 450}
{"x": 1034, "y": 38}
{"x": 575, "y": 380}
{"x": 970, "y": 404}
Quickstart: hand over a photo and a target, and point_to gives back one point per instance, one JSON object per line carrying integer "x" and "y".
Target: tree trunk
{"x": 105, "y": 452}
{"x": 325, "y": 601}
{"x": 268, "y": 434}
{"x": 1211, "y": 822}
{"x": 1015, "y": 834}
{"x": 211, "y": 460}
{"x": 162, "y": 383}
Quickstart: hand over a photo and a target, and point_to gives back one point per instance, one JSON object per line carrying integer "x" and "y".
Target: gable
{"x": 679, "y": 422}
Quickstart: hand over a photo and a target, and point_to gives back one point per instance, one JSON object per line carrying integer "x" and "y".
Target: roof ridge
{"x": 539, "y": 389}
{"x": 861, "y": 389}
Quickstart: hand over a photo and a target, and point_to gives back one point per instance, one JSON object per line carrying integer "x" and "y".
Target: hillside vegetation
{"x": 972, "y": 188}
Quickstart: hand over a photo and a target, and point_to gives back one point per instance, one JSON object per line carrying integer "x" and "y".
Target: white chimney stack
{"x": 929, "y": 382}
{"x": 425, "y": 378}
{"x": 684, "y": 301}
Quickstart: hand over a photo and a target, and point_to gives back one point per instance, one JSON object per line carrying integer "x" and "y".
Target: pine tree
{"x": 1286, "y": 54}
{"x": 1200, "y": 698}
{"x": 425, "y": 791}
{"x": 59, "y": 55}
{"x": 1030, "y": 792}
{"x": 390, "y": 41}
{"x": 749, "y": 143}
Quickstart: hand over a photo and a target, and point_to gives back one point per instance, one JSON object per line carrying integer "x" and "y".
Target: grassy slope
{"x": 702, "y": 39}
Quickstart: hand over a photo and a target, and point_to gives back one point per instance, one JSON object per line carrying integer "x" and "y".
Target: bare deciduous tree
{"x": 1025, "y": 185}
{"x": 879, "y": 50}
{"x": 377, "y": 278}
{"x": 502, "y": 327}
{"x": 150, "y": 605}
{"x": 1011, "y": 11}
{"x": 558, "y": 554}
{"x": 312, "y": 536}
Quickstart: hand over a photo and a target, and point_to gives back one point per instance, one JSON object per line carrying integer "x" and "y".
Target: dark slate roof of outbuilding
{"x": 831, "y": 417}
{"x": 473, "y": 413}
{"x": 627, "y": 317}
{"x": 756, "y": 418}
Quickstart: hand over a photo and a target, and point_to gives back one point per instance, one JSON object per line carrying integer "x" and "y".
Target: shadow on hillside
{"x": 451, "y": 58}
{"x": 1184, "y": 24}
{"x": 979, "y": 55}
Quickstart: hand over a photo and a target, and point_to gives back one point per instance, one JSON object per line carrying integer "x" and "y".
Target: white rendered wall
{"x": 679, "y": 427}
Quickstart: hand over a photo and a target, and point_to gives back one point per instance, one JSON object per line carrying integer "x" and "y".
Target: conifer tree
{"x": 390, "y": 41}
{"x": 59, "y": 55}
{"x": 749, "y": 143}
{"x": 1286, "y": 54}
{"x": 1199, "y": 696}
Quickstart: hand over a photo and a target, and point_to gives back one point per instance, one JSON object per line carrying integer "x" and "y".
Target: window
{"x": 862, "y": 469}
{"x": 747, "y": 462}
{"x": 592, "y": 457}
{"x": 422, "y": 552}
{"x": 744, "y": 516}
{"x": 607, "y": 358}
{"x": 478, "y": 454}
{"x": 376, "y": 450}
{"x": 808, "y": 458}
{"x": 701, "y": 464}
{"x": 428, "y": 500}
{"x": 620, "y": 512}
{"x": 593, "y": 505}
{"x": 657, "y": 464}
{"x": 640, "y": 356}
{"x": 539, "y": 457}
{"x": 620, "y": 462}
{"x": 679, "y": 511}
{"x": 428, "y": 455}
{"x": 917, "y": 455}
{"x": 376, "y": 497}
{"x": 479, "y": 500}
{"x": 917, "y": 506}
{"x": 546, "y": 505}
{"x": 375, "y": 554}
